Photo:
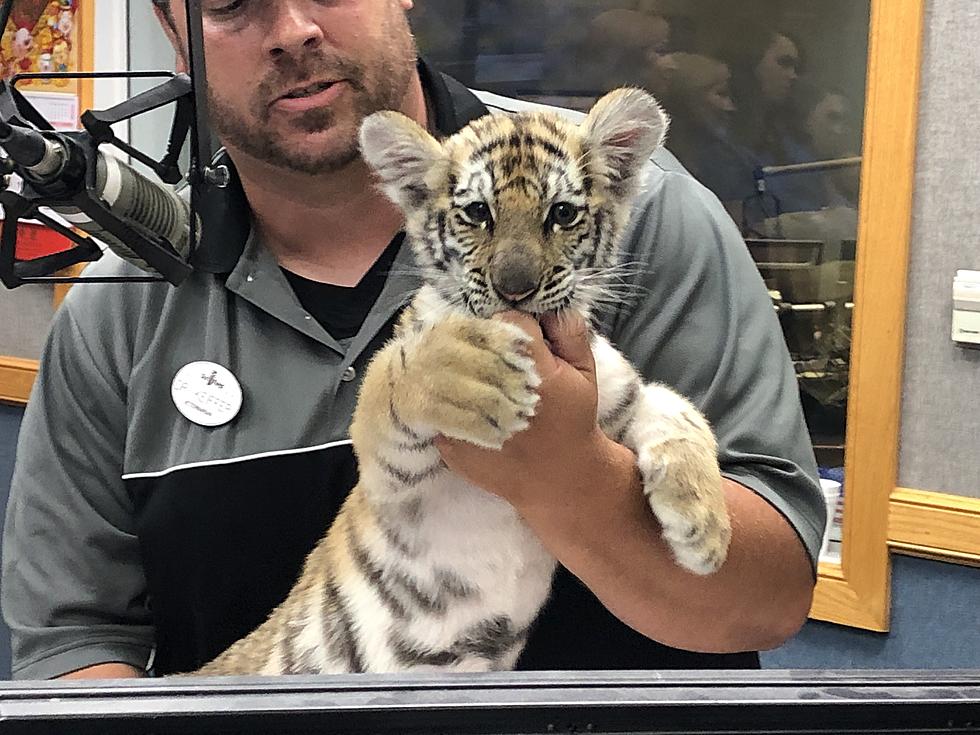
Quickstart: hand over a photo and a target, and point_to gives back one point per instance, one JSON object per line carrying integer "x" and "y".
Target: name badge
{"x": 206, "y": 393}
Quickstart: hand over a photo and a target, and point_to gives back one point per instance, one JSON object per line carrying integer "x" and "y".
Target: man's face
{"x": 289, "y": 81}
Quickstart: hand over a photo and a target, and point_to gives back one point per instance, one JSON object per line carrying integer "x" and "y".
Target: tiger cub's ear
{"x": 409, "y": 162}
{"x": 624, "y": 128}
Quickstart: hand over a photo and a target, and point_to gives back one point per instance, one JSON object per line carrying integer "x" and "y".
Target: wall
{"x": 933, "y": 626}
{"x": 940, "y": 416}
{"x": 149, "y": 51}
{"x": 27, "y": 313}
{"x": 111, "y": 54}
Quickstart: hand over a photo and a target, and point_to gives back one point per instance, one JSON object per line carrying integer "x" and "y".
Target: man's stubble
{"x": 377, "y": 84}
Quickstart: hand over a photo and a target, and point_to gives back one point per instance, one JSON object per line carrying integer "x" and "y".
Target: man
{"x": 144, "y": 536}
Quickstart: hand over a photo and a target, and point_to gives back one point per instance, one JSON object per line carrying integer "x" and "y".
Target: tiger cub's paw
{"x": 697, "y": 531}
{"x": 470, "y": 379}
{"x": 683, "y": 485}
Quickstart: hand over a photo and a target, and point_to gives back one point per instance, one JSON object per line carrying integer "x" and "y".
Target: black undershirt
{"x": 341, "y": 310}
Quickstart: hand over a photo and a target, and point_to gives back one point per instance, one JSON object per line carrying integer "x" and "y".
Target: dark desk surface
{"x": 597, "y": 702}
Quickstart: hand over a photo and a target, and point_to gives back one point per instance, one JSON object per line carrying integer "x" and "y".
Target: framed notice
{"x": 50, "y": 36}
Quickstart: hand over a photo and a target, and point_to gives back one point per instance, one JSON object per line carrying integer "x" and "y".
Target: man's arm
{"x": 610, "y": 540}
{"x": 756, "y": 601}
{"x": 105, "y": 671}
{"x": 73, "y": 592}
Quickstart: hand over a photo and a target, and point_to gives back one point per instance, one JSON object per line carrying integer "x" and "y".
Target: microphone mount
{"x": 187, "y": 92}
{"x": 762, "y": 174}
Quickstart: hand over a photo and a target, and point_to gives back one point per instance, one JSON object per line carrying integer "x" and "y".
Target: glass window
{"x": 766, "y": 99}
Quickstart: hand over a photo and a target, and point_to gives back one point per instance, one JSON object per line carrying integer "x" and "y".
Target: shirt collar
{"x": 224, "y": 212}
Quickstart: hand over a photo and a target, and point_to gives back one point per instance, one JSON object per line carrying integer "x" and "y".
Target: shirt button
{"x": 349, "y": 374}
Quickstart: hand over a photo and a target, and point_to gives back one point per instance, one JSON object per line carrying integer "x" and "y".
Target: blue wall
{"x": 935, "y": 624}
{"x": 935, "y": 611}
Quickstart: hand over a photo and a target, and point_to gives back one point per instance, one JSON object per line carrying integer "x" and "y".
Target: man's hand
{"x": 563, "y": 451}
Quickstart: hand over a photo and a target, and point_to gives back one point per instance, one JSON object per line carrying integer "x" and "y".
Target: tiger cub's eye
{"x": 564, "y": 214}
{"x": 478, "y": 213}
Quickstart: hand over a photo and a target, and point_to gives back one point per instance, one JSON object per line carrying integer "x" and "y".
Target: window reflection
{"x": 766, "y": 98}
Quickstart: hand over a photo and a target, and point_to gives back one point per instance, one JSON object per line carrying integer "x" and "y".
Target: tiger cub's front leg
{"x": 465, "y": 378}
{"x": 677, "y": 457}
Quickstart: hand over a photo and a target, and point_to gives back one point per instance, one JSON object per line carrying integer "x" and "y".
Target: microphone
{"x": 55, "y": 165}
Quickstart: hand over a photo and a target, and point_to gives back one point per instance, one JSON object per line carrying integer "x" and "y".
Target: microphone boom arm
{"x": 188, "y": 92}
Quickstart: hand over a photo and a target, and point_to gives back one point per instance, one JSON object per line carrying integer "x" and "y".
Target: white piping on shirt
{"x": 232, "y": 460}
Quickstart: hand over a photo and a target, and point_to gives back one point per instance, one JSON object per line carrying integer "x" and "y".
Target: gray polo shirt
{"x": 130, "y": 529}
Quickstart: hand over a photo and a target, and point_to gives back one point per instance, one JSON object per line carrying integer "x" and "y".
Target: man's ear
{"x": 623, "y": 129}
{"x": 410, "y": 163}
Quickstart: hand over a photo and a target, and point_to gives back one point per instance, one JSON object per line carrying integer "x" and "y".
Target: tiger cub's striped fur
{"x": 421, "y": 569}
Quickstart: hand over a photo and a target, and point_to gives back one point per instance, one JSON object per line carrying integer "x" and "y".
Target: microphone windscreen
{"x": 140, "y": 201}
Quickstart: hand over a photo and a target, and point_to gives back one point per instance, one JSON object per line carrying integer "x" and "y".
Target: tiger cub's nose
{"x": 514, "y": 281}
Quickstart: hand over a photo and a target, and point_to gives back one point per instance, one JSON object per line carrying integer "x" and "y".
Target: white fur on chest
{"x": 484, "y": 544}
{"x": 481, "y": 537}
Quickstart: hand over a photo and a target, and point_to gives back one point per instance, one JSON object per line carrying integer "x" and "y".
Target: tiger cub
{"x": 421, "y": 569}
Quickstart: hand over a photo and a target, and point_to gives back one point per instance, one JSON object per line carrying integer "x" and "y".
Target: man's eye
{"x": 477, "y": 213}
{"x": 564, "y": 214}
{"x": 224, "y": 8}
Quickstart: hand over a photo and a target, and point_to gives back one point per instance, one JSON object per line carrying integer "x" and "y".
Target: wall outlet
{"x": 966, "y": 308}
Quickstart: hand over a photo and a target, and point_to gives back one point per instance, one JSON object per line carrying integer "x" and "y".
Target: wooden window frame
{"x": 857, "y": 591}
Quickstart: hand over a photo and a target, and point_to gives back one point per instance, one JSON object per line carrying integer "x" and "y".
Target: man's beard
{"x": 382, "y": 86}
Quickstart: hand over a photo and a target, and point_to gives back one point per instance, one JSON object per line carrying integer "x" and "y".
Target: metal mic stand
{"x": 761, "y": 174}
{"x": 190, "y": 116}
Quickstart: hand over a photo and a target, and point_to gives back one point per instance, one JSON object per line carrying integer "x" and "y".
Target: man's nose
{"x": 293, "y": 30}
